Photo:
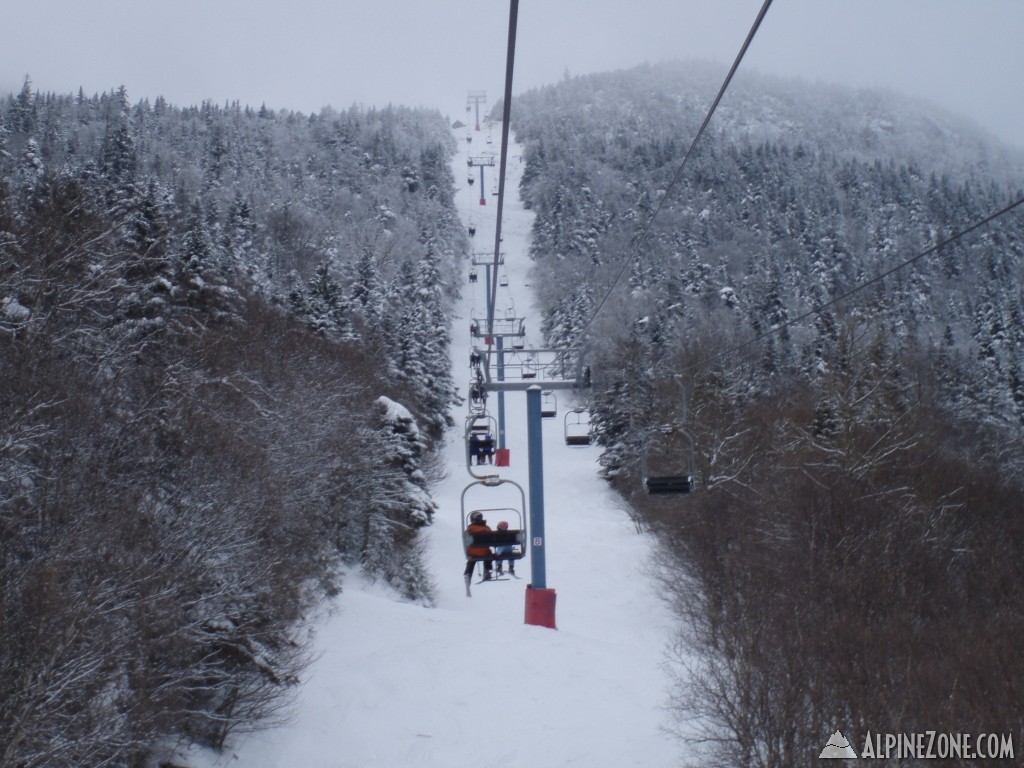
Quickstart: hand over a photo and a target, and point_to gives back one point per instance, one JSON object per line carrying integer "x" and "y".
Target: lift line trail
{"x": 467, "y": 681}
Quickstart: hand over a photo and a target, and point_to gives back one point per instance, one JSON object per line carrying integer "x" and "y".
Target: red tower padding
{"x": 501, "y": 457}
{"x": 540, "y": 607}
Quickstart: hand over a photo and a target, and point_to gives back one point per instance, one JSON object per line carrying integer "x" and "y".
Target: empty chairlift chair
{"x": 667, "y": 463}
{"x": 577, "y": 427}
{"x": 548, "y": 405}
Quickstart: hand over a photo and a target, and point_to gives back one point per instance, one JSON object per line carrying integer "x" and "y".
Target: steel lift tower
{"x": 475, "y": 99}
{"x": 481, "y": 163}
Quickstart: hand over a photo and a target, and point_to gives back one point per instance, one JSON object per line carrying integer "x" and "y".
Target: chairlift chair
{"x": 548, "y": 405}
{"x": 481, "y": 429}
{"x": 514, "y": 537}
{"x": 667, "y": 462}
{"x": 577, "y": 427}
{"x": 477, "y": 396}
{"x": 503, "y": 280}
{"x": 480, "y": 422}
{"x": 668, "y": 459}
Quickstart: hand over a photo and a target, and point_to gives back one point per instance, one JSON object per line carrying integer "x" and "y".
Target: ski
{"x": 493, "y": 578}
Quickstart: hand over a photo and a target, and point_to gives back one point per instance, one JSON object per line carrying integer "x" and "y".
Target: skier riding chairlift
{"x": 477, "y": 524}
{"x": 505, "y": 549}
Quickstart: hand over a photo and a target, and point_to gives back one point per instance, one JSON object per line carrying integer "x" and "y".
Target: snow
{"x": 468, "y": 682}
{"x": 13, "y": 310}
{"x": 396, "y": 413}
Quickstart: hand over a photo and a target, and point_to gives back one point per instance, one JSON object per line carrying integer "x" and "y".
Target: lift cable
{"x": 679, "y": 171}
{"x": 819, "y": 308}
{"x": 513, "y": 17}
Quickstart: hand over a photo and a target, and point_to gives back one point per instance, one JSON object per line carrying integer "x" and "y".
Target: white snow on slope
{"x": 468, "y": 683}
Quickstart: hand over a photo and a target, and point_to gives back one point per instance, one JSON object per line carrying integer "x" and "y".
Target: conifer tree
{"x": 399, "y": 503}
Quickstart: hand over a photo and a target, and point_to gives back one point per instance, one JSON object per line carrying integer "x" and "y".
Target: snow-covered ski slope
{"x": 468, "y": 683}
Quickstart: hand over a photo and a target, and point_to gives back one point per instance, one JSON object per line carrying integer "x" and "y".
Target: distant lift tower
{"x": 476, "y": 98}
{"x": 481, "y": 163}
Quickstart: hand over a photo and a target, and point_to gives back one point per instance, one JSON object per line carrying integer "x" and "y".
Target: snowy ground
{"x": 468, "y": 682}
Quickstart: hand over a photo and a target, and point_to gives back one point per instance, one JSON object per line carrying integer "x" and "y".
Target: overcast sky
{"x": 967, "y": 55}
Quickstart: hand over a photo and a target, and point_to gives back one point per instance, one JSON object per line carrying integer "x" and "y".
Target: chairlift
{"x": 514, "y": 537}
{"x": 477, "y": 395}
{"x": 529, "y": 369}
{"x": 470, "y": 180}
{"x": 480, "y": 443}
{"x": 548, "y": 405}
{"x": 667, "y": 463}
{"x": 577, "y": 427}
{"x": 503, "y": 281}
{"x": 472, "y": 275}
{"x": 480, "y": 423}
{"x": 514, "y": 361}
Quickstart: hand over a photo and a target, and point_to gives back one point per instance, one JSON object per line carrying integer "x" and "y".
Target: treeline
{"x": 851, "y": 557}
{"x": 852, "y": 561}
{"x": 223, "y": 353}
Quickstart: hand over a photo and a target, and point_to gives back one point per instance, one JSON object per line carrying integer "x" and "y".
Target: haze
{"x": 302, "y": 55}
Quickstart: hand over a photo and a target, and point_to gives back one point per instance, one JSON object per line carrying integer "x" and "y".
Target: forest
{"x": 225, "y": 365}
{"x": 224, "y": 352}
{"x": 853, "y": 550}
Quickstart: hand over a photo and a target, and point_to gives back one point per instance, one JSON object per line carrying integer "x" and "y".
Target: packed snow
{"x": 467, "y": 681}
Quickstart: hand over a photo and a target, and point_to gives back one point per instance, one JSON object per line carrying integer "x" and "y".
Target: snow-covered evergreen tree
{"x": 398, "y": 503}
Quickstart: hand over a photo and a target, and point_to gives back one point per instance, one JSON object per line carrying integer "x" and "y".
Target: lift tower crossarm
{"x": 485, "y": 259}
